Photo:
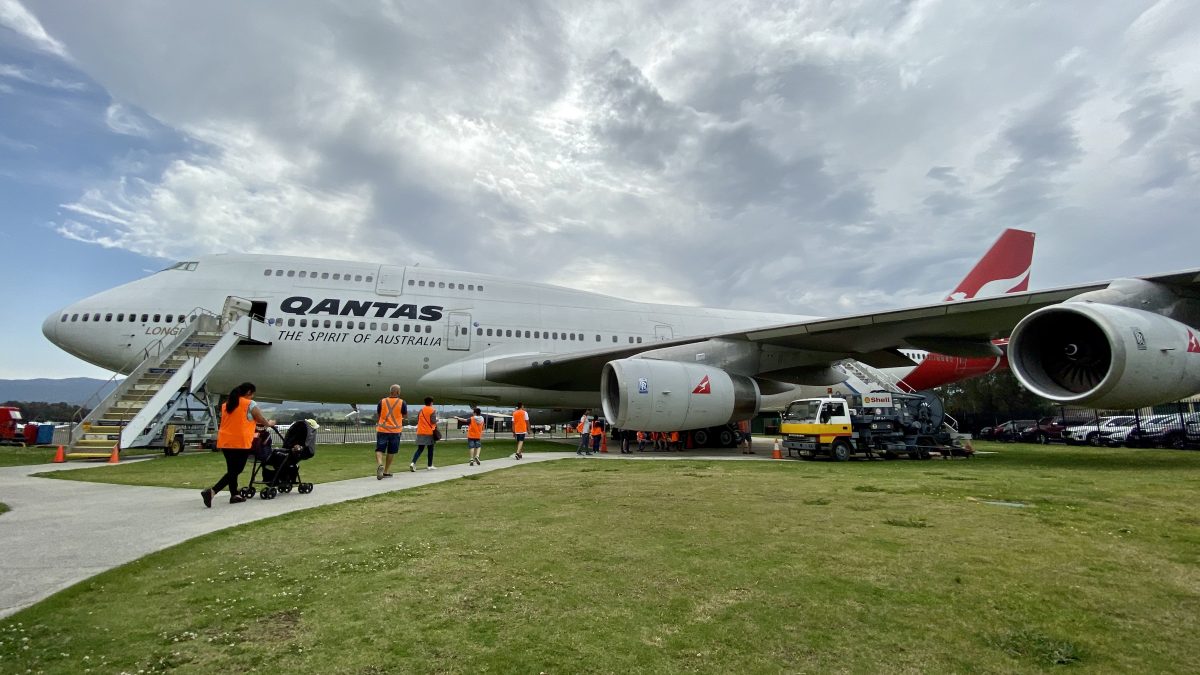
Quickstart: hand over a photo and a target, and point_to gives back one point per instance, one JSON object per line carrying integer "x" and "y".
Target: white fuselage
{"x": 345, "y": 331}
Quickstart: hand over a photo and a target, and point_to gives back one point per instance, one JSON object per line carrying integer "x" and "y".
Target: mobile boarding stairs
{"x": 171, "y": 371}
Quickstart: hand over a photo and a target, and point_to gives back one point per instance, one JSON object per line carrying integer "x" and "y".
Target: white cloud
{"x": 13, "y": 15}
{"x": 790, "y": 157}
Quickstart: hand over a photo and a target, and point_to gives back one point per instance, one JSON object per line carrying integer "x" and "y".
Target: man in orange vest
{"x": 391, "y": 412}
{"x": 597, "y": 434}
{"x": 474, "y": 435}
{"x": 675, "y": 444}
{"x": 520, "y": 427}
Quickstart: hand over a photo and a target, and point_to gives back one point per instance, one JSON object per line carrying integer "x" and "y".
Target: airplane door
{"x": 458, "y": 331}
{"x": 663, "y": 333}
{"x": 390, "y": 280}
{"x": 258, "y": 309}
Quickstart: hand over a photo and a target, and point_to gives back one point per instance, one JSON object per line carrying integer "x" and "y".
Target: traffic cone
{"x": 115, "y": 458}
{"x": 60, "y": 456}
{"x": 603, "y": 442}
{"x": 776, "y": 453}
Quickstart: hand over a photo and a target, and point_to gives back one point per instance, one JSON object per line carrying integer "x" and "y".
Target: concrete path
{"x": 60, "y": 532}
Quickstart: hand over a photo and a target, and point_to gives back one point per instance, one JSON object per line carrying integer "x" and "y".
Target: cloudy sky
{"x": 814, "y": 157}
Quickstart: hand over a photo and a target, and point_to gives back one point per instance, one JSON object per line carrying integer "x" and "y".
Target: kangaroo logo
{"x": 705, "y": 387}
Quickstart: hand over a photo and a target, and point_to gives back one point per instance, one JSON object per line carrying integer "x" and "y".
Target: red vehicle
{"x": 12, "y": 426}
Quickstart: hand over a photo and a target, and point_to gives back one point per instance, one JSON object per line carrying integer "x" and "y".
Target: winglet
{"x": 1003, "y": 269}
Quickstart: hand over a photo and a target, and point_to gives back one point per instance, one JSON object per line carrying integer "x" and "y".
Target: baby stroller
{"x": 277, "y": 470}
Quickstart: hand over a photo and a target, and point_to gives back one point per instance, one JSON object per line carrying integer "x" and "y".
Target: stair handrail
{"x": 150, "y": 356}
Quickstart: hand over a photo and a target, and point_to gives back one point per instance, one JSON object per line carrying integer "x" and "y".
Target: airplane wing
{"x": 964, "y": 328}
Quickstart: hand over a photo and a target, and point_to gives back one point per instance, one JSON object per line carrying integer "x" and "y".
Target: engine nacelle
{"x": 1105, "y": 356}
{"x": 652, "y": 395}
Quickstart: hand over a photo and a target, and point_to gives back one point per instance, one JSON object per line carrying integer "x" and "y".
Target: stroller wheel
{"x": 247, "y": 492}
{"x": 306, "y": 488}
{"x": 271, "y": 492}
{"x": 285, "y": 489}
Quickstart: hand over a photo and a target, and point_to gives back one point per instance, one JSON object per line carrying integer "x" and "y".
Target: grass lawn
{"x": 14, "y": 456}
{"x": 3, "y": 507}
{"x": 1032, "y": 559}
{"x": 332, "y": 462}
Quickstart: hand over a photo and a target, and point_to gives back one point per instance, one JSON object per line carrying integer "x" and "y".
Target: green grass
{"x": 14, "y": 456}
{"x": 675, "y": 566}
{"x": 4, "y": 508}
{"x": 332, "y": 462}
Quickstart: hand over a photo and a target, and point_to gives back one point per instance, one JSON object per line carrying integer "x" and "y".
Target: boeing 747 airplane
{"x": 337, "y": 331}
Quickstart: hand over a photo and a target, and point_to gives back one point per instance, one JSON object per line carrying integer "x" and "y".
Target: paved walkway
{"x": 60, "y": 532}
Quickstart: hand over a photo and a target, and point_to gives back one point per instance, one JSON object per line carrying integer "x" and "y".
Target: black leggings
{"x": 417, "y": 454}
{"x": 235, "y": 461}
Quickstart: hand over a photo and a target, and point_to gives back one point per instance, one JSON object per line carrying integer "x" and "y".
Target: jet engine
{"x": 653, "y": 395}
{"x": 1105, "y": 356}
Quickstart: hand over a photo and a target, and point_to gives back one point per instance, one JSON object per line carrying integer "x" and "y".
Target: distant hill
{"x": 75, "y": 390}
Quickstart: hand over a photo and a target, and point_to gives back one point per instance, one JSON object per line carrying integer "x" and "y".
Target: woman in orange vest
{"x": 426, "y": 425}
{"x": 474, "y": 435}
{"x": 641, "y": 438}
{"x": 235, "y": 436}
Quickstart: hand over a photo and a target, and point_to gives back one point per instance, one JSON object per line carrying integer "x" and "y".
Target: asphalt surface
{"x": 61, "y": 532}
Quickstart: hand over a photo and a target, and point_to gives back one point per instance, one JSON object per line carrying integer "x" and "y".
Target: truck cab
{"x": 812, "y": 425}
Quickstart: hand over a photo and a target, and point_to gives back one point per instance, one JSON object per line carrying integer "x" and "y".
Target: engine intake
{"x": 1104, "y": 355}
{"x": 652, "y": 395}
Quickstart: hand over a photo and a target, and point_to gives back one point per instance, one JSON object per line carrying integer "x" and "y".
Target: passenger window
{"x": 368, "y": 280}
{"x": 421, "y": 283}
{"x": 489, "y": 332}
{"x": 108, "y": 317}
{"x": 74, "y": 317}
{"x": 63, "y": 319}
{"x": 157, "y": 318}
{"x": 597, "y": 338}
{"x": 480, "y": 288}
{"x": 358, "y": 277}
{"x": 508, "y": 333}
{"x": 291, "y": 323}
{"x": 395, "y": 328}
{"x": 291, "y": 273}
{"x": 145, "y": 318}
{"x": 85, "y": 317}
{"x": 614, "y": 338}
{"x": 407, "y": 328}
{"x": 266, "y": 273}
{"x": 461, "y": 287}
{"x": 526, "y": 334}
{"x": 428, "y": 329}
{"x": 278, "y": 273}
{"x": 362, "y": 325}
{"x": 479, "y": 331}
{"x": 411, "y": 282}
{"x": 537, "y": 334}
{"x": 328, "y": 323}
{"x": 470, "y": 287}
{"x": 372, "y": 325}
{"x": 338, "y": 324}
{"x": 555, "y": 335}
{"x": 303, "y": 274}
{"x": 639, "y": 341}
{"x": 304, "y": 323}
{"x": 441, "y": 284}
{"x": 169, "y": 317}
{"x": 324, "y": 275}
{"x": 337, "y": 277}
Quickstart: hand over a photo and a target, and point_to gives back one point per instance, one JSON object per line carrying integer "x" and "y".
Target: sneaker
{"x": 236, "y": 499}
{"x": 387, "y": 475}
{"x": 519, "y": 455}
{"x": 378, "y": 472}
{"x": 207, "y": 496}
{"x": 431, "y": 467}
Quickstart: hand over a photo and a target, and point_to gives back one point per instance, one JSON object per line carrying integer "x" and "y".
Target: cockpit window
{"x": 183, "y": 266}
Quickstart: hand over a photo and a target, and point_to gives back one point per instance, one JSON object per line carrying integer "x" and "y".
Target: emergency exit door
{"x": 663, "y": 333}
{"x": 458, "y": 331}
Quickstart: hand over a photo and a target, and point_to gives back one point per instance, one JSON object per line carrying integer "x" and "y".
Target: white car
{"x": 1121, "y": 436}
{"x": 1092, "y": 432}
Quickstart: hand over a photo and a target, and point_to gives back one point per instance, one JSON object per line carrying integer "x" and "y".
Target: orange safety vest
{"x": 474, "y": 429}
{"x": 641, "y": 435}
{"x": 597, "y": 428}
{"x": 520, "y": 422}
{"x": 390, "y": 420}
{"x": 425, "y": 421}
{"x": 674, "y": 436}
{"x": 236, "y": 432}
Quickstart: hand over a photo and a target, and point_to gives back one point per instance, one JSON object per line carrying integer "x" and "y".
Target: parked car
{"x": 1006, "y": 431}
{"x": 1092, "y": 432}
{"x": 1050, "y": 429}
{"x": 1170, "y": 433}
{"x": 1121, "y": 435}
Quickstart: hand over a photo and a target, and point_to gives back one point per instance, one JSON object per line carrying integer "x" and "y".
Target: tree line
{"x": 41, "y": 411}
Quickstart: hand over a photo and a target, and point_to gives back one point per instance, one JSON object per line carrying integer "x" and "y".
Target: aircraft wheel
{"x": 700, "y": 437}
{"x": 725, "y": 440}
{"x": 840, "y": 451}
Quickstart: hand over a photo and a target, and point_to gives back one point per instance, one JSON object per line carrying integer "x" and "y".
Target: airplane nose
{"x": 50, "y": 326}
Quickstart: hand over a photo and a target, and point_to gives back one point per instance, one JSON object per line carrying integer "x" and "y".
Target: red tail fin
{"x": 1003, "y": 269}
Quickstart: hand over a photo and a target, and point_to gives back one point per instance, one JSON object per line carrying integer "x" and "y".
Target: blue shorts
{"x": 474, "y": 443}
{"x": 389, "y": 443}
{"x": 520, "y": 437}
